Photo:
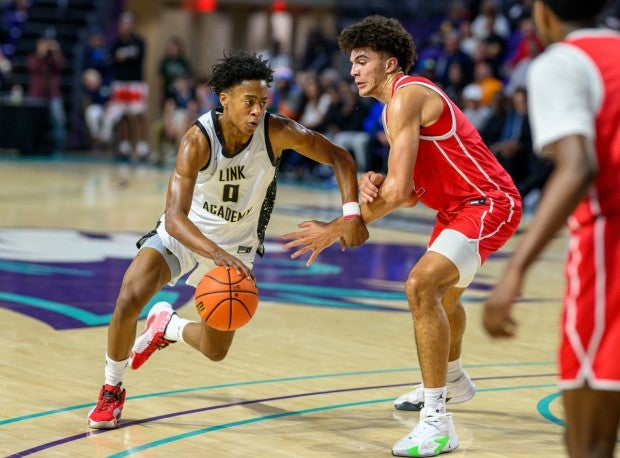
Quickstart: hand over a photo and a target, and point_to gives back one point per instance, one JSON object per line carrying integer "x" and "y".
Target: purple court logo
{"x": 69, "y": 278}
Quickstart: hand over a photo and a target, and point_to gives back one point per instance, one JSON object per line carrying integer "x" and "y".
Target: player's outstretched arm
{"x": 288, "y": 134}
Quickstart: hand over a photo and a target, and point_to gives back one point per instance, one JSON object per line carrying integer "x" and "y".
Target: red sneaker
{"x": 152, "y": 338}
{"x": 107, "y": 413}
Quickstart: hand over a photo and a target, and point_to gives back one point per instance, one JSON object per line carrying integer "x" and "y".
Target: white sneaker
{"x": 460, "y": 391}
{"x": 434, "y": 434}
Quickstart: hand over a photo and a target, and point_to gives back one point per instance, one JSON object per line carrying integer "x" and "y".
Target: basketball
{"x": 226, "y": 300}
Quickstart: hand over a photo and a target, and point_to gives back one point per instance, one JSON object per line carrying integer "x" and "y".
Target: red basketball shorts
{"x": 468, "y": 236}
{"x": 590, "y": 343}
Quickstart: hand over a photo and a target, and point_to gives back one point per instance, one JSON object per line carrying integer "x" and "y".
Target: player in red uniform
{"x": 574, "y": 90}
{"x": 437, "y": 157}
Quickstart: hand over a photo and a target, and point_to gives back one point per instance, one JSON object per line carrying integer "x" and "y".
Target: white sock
{"x": 142, "y": 148}
{"x": 435, "y": 399}
{"x": 115, "y": 370}
{"x": 174, "y": 330}
{"x": 124, "y": 148}
{"x": 455, "y": 370}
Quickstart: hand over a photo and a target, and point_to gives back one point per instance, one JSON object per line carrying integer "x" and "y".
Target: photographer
{"x": 45, "y": 65}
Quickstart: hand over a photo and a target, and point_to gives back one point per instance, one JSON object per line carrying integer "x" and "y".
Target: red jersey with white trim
{"x": 454, "y": 166}
{"x": 605, "y": 198}
{"x": 585, "y": 68}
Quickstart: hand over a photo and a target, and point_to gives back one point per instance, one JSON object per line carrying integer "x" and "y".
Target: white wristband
{"x": 351, "y": 210}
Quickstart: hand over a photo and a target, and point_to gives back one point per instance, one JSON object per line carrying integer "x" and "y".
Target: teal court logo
{"x": 69, "y": 278}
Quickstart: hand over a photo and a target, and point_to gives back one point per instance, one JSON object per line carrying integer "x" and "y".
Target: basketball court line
{"x": 177, "y": 437}
{"x": 275, "y": 380}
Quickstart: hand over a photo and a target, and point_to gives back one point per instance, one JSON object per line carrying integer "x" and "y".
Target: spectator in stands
{"x": 129, "y": 92}
{"x": 450, "y": 54}
{"x": 96, "y": 55}
{"x": 179, "y": 112}
{"x": 477, "y": 113}
{"x": 314, "y": 105}
{"x": 96, "y": 97}
{"x": 456, "y": 15}
{"x": 286, "y": 95}
{"x": 206, "y": 100}
{"x": 275, "y": 55}
{"x": 344, "y": 123}
{"x": 456, "y": 83}
{"x": 174, "y": 64}
{"x": 45, "y": 66}
{"x": 491, "y": 131}
{"x": 517, "y": 75}
{"x": 468, "y": 42}
{"x": 523, "y": 42}
{"x": 483, "y": 77}
{"x": 490, "y": 20}
{"x": 514, "y": 147}
{"x": 333, "y": 116}
{"x": 518, "y": 9}
{"x": 5, "y": 69}
{"x": 319, "y": 50}
{"x": 14, "y": 19}
{"x": 378, "y": 145}
{"x": 493, "y": 53}
{"x": 426, "y": 68}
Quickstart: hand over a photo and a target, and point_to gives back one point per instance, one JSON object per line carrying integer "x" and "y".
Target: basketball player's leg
{"x": 592, "y": 421}
{"x": 447, "y": 246}
{"x": 429, "y": 280}
{"x": 212, "y": 343}
{"x": 453, "y": 306}
{"x": 146, "y": 275}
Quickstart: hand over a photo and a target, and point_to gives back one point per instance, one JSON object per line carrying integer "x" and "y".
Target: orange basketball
{"x": 225, "y": 299}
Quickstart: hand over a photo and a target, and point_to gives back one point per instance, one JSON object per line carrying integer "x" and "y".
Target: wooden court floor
{"x": 314, "y": 374}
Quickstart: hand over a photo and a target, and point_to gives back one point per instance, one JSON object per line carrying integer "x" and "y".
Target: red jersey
{"x": 574, "y": 87}
{"x": 454, "y": 166}
{"x": 604, "y": 199}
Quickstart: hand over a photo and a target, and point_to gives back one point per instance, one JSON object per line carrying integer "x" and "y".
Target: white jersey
{"x": 234, "y": 193}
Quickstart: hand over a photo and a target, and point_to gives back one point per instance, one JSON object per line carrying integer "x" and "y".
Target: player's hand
{"x": 369, "y": 185}
{"x": 316, "y": 236}
{"x": 354, "y": 233}
{"x": 222, "y": 258}
{"x": 496, "y": 318}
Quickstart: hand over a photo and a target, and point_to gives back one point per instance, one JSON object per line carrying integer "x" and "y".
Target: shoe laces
{"x": 430, "y": 424}
{"x": 156, "y": 344}
{"x": 109, "y": 398}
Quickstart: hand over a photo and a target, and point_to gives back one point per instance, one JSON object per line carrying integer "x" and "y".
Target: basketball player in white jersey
{"x": 574, "y": 91}
{"x": 219, "y": 200}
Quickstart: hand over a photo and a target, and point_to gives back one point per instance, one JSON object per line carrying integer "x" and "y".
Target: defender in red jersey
{"x": 438, "y": 158}
{"x": 574, "y": 89}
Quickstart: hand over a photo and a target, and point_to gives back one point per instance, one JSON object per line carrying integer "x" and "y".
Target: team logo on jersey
{"x": 70, "y": 279}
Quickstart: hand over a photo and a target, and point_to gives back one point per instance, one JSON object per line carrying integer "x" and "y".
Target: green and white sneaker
{"x": 434, "y": 434}
{"x": 457, "y": 392}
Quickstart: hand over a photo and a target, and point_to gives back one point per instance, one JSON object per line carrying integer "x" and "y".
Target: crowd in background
{"x": 478, "y": 52}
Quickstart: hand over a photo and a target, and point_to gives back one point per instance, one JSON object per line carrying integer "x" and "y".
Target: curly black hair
{"x": 383, "y": 35}
{"x": 579, "y": 11}
{"x": 237, "y": 67}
